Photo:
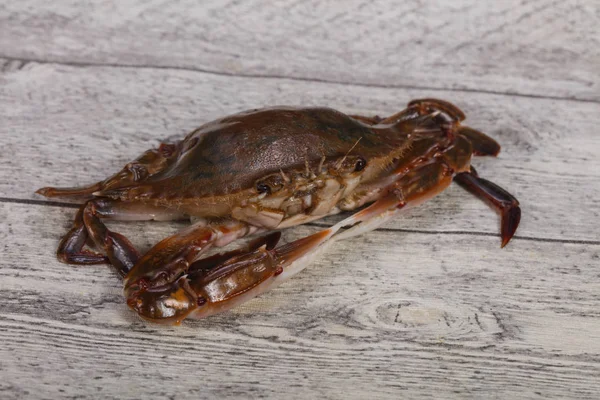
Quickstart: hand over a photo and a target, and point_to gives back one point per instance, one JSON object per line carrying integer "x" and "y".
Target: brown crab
{"x": 267, "y": 169}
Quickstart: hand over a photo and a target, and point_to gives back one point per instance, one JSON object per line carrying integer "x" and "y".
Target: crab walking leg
{"x": 428, "y": 105}
{"x": 368, "y": 120}
{"x": 416, "y": 107}
{"x": 70, "y": 249}
{"x": 119, "y": 250}
{"x": 87, "y": 224}
{"x": 422, "y": 107}
{"x": 483, "y": 145}
{"x": 502, "y": 201}
{"x": 144, "y": 166}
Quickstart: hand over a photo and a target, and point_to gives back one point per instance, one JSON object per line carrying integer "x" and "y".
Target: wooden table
{"x": 428, "y": 306}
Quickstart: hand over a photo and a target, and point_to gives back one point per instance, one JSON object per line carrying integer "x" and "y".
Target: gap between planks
{"x": 24, "y": 61}
{"x": 45, "y": 203}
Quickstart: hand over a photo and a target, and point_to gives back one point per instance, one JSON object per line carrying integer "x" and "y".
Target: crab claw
{"x": 170, "y": 303}
{"x": 224, "y": 281}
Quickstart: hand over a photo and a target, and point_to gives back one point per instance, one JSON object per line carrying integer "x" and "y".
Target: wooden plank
{"x": 539, "y": 48}
{"x": 416, "y": 321}
{"x": 65, "y": 125}
{"x": 426, "y": 307}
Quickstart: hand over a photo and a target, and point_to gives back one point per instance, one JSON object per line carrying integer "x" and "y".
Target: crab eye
{"x": 361, "y": 163}
{"x": 270, "y": 184}
{"x": 263, "y": 188}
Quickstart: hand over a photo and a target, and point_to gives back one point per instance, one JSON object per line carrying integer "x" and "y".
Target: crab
{"x": 258, "y": 172}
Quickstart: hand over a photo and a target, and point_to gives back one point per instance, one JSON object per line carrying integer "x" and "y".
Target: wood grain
{"x": 426, "y": 307}
{"x": 421, "y": 320}
{"x": 539, "y": 48}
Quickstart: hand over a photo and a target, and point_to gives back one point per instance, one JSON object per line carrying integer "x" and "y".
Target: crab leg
{"x": 119, "y": 250}
{"x": 70, "y": 249}
{"x": 483, "y": 145}
{"x": 368, "y": 120}
{"x": 83, "y": 191}
{"x": 87, "y": 224}
{"x": 421, "y": 107}
{"x": 502, "y": 201}
{"x": 429, "y": 105}
{"x": 144, "y": 166}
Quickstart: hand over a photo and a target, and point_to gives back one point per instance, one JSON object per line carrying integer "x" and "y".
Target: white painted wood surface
{"x": 426, "y": 307}
{"x": 539, "y": 48}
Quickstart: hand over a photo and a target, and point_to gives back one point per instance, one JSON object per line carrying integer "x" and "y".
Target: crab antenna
{"x": 339, "y": 163}
{"x": 284, "y": 176}
{"x": 323, "y": 158}
{"x": 309, "y": 173}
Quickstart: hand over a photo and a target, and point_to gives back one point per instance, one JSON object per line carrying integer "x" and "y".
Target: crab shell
{"x": 276, "y": 167}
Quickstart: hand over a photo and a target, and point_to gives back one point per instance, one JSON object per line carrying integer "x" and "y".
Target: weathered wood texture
{"x": 427, "y": 307}
{"x": 540, "y": 48}
{"x": 391, "y": 314}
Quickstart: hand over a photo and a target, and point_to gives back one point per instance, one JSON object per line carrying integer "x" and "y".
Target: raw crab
{"x": 263, "y": 170}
